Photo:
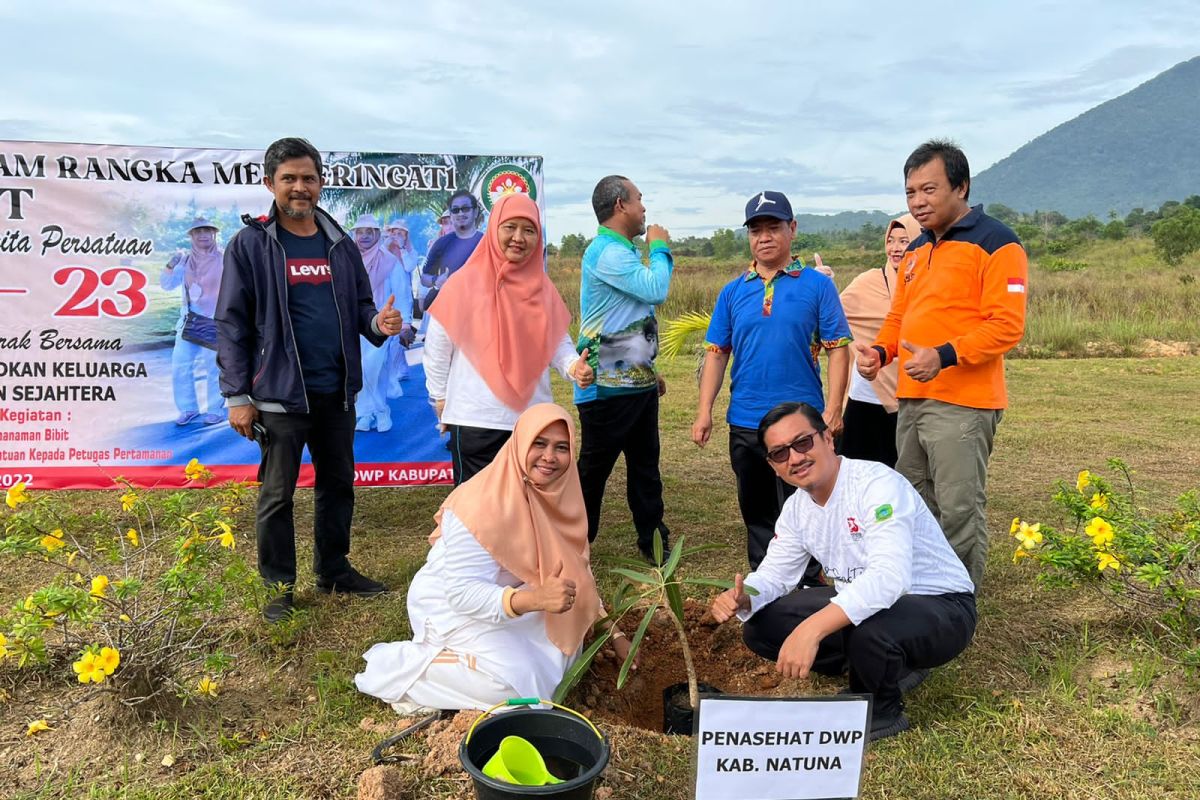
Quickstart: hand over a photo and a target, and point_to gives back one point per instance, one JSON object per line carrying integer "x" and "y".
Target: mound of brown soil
{"x": 721, "y": 658}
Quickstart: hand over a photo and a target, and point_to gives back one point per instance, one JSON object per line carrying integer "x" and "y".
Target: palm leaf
{"x": 674, "y": 334}
{"x": 577, "y": 670}
{"x": 634, "y": 645}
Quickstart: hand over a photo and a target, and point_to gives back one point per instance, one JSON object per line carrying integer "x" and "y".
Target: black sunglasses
{"x": 801, "y": 445}
{"x": 461, "y": 209}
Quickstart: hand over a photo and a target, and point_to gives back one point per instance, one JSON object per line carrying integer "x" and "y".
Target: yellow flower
{"x": 99, "y": 586}
{"x": 1016, "y": 525}
{"x": 1099, "y": 501}
{"x": 225, "y": 537}
{"x": 1021, "y": 553}
{"x": 16, "y": 495}
{"x": 1083, "y": 480}
{"x": 1100, "y": 531}
{"x": 1030, "y": 536}
{"x": 3, "y": 647}
{"x": 195, "y": 471}
{"x": 108, "y": 660}
{"x": 1107, "y": 560}
{"x": 132, "y": 536}
{"x": 88, "y": 670}
{"x": 54, "y": 541}
{"x": 208, "y": 686}
{"x": 124, "y": 618}
{"x": 28, "y": 604}
{"x": 37, "y": 726}
{"x": 128, "y": 501}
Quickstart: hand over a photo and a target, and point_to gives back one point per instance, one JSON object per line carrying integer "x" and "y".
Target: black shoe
{"x": 911, "y": 680}
{"x": 888, "y": 726}
{"x": 351, "y": 582}
{"x": 280, "y": 606}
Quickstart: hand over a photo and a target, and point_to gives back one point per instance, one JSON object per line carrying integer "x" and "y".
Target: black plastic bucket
{"x": 573, "y": 749}
{"x": 677, "y": 711}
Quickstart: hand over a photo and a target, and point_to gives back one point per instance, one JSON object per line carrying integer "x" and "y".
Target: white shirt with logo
{"x": 875, "y": 537}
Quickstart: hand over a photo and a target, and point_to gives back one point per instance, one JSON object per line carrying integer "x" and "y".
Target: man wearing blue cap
{"x": 774, "y": 319}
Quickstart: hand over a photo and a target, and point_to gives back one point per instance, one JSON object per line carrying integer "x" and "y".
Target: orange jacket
{"x": 965, "y": 295}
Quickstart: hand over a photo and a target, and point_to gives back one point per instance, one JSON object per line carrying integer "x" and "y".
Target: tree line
{"x": 1174, "y": 226}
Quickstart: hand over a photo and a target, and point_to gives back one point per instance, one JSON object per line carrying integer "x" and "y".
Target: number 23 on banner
{"x": 89, "y": 299}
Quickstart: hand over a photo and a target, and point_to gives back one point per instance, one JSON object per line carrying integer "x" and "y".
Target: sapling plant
{"x": 647, "y": 590}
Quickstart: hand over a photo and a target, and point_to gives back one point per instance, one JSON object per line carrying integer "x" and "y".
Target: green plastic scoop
{"x": 517, "y": 761}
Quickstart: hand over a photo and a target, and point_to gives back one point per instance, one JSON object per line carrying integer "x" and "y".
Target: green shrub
{"x": 1058, "y": 264}
{"x": 1141, "y": 561}
{"x": 141, "y": 599}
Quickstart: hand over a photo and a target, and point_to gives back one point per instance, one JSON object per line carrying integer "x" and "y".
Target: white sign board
{"x": 780, "y": 749}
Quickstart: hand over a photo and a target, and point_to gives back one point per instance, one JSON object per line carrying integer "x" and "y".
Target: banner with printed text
{"x": 110, "y": 261}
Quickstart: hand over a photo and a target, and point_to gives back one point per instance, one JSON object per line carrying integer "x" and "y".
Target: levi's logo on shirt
{"x": 308, "y": 270}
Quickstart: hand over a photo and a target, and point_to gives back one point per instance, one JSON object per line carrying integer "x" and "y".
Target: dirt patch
{"x": 721, "y": 657}
{"x": 1156, "y": 349}
{"x": 443, "y": 740}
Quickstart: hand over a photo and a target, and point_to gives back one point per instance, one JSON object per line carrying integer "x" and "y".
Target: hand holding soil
{"x": 729, "y": 602}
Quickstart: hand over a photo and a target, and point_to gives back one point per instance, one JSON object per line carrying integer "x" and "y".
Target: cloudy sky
{"x": 701, "y": 103}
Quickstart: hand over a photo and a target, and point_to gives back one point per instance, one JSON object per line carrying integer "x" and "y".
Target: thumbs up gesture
{"x": 820, "y": 266}
{"x": 866, "y": 358}
{"x": 389, "y": 320}
{"x": 582, "y": 371}
{"x": 924, "y": 364}
{"x": 729, "y": 602}
{"x": 556, "y": 594}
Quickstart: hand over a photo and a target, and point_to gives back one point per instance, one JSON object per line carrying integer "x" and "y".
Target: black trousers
{"x": 870, "y": 433}
{"x": 328, "y": 430}
{"x": 761, "y": 495}
{"x": 472, "y": 449}
{"x": 917, "y": 632}
{"x": 611, "y": 426}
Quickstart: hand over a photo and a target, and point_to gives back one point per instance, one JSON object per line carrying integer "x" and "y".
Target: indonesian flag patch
{"x": 1016, "y": 285}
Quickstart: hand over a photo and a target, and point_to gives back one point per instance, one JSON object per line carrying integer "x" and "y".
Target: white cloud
{"x": 701, "y": 102}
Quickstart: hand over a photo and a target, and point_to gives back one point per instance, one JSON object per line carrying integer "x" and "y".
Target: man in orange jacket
{"x": 958, "y": 308}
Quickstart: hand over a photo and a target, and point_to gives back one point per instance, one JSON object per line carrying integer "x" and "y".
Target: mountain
{"x": 1139, "y": 149}
{"x": 844, "y": 221}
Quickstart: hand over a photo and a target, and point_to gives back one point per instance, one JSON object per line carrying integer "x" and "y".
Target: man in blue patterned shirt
{"x": 619, "y": 412}
{"x": 774, "y": 319}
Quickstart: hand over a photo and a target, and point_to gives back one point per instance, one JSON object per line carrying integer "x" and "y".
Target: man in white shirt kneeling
{"x": 900, "y": 602}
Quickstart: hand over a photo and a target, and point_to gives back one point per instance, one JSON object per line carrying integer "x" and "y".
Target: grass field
{"x": 1058, "y": 696}
{"x": 1114, "y": 298}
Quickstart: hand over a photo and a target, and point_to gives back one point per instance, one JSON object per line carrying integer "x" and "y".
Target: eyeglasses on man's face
{"x": 467, "y": 209}
{"x": 801, "y": 444}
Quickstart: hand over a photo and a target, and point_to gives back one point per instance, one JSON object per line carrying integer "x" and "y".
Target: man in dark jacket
{"x": 294, "y": 299}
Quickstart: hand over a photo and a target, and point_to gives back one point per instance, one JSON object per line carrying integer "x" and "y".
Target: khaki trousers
{"x": 943, "y": 450}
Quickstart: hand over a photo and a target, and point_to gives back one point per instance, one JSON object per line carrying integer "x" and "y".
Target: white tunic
{"x": 450, "y": 376}
{"x": 456, "y": 603}
{"x": 875, "y": 537}
{"x": 862, "y": 389}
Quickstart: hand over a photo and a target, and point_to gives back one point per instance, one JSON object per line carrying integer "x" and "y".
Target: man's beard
{"x": 296, "y": 213}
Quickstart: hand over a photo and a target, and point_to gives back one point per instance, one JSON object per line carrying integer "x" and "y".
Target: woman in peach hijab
{"x": 495, "y": 328}
{"x": 506, "y": 596}
{"x": 870, "y": 415}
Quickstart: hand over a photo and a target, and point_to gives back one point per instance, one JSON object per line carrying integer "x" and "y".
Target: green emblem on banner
{"x": 506, "y": 179}
{"x": 883, "y": 512}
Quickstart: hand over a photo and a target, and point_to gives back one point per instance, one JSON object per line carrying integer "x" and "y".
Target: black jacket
{"x": 256, "y": 347}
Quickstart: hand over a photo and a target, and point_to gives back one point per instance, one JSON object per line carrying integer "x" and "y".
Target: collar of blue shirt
{"x": 791, "y": 270}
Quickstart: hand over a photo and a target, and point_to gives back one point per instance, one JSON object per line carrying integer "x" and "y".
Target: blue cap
{"x": 769, "y": 204}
